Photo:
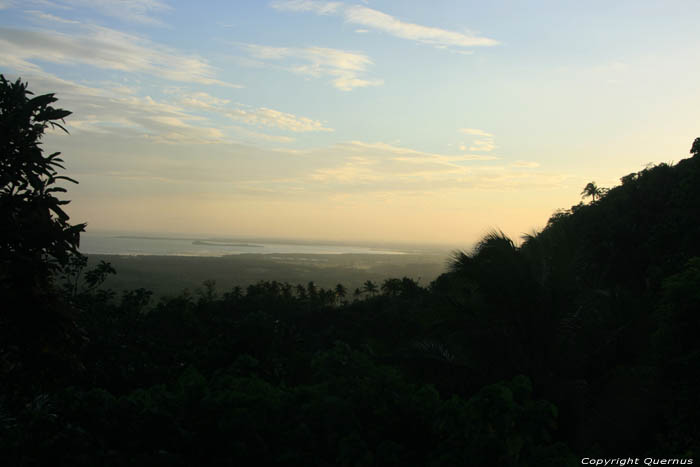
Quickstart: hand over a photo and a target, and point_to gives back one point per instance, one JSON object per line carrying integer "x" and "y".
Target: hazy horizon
{"x": 223, "y": 237}
{"x": 359, "y": 121}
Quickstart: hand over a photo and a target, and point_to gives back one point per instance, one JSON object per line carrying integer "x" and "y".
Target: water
{"x": 135, "y": 244}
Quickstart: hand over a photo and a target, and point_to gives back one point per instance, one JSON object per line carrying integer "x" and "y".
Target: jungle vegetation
{"x": 581, "y": 341}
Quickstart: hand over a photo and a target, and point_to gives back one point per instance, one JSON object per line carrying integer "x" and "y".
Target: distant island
{"x": 209, "y": 243}
{"x": 193, "y": 240}
{"x": 139, "y": 237}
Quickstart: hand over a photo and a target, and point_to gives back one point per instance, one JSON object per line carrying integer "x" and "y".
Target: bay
{"x": 167, "y": 245}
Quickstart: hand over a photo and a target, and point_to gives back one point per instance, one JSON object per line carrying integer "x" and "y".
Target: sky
{"x": 406, "y": 121}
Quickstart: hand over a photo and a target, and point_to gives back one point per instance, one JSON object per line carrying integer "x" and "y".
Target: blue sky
{"x": 368, "y": 120}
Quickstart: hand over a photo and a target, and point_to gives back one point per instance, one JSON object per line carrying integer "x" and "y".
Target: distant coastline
{"x": 139, "y": 237}
{"x": 130, "y": 244}
{"x": 210, "y": 243}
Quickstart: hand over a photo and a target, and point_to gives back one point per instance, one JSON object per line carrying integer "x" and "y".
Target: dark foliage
{"x": 36, "y": 239}
{"x": 581, "y": 342}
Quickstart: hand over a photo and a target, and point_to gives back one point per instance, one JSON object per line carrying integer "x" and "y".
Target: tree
{"x": 340, "y": 291}
{"x": 312, "y": 290}
{"x": 369, "y": 287}
{"x": 695, "y": 149}
{"x": 36, "y": 239}
{"x": 357, "y": 293}
{"x": 593, "y": 191}
{"x": 391, "y": 287}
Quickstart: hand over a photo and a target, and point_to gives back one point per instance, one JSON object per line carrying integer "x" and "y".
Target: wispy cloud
{"x": 373, "y": 167}
{"x": 525, "y": 164}
{"x": 119, "y": 111}
{"x": 107, "y": 48}
{"x": 254, "y": 136}
{"x": 260, "y": 116}
{"x": 380, "y": 21}
{"x": 349, "y": 172}
{"x": 369, "y": 18}
{"x": 413, "y": 156}
{"x": 274, "y": 118}
{"x": 475, "y": 131}
{"x": 318, "y": 7}
{"x": 346, "y": 68}
{"x": 485, "y": 143}
{"x": 40, "y": 15}
{"x": 203, "y": 100}
{"x": 133, "y": 11}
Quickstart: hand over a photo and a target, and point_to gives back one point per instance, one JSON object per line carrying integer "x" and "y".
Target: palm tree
{"x": 369, "y": 287}
{"x": 357, "y": 293}
{"x": 311, "y": 290}
{"x": 325, "y": 297}
{"x": 340, "y": 291}
{"x": 392, "y": 287}
{"x": 286, "y": 290}
{"x": 592, "y": 190}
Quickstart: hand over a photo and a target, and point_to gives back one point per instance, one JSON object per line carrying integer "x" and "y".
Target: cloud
{"x": 119, "y": 111}
{"x": 475, "y": 131}
{"x": 346, "y": 68}
{"x": 145, "y": 117}
{"x": 203, "y": 100}
{"x": 358, "y": 167}
{"x": 274, "y": 118}
{"x": 385, "y": 147}
{"x": 437, "y": 158}
{"x": 254, "y": 136}
{"x": 16, "y": 63}
{"x": 369, "y": 18}
{"x": 414, "y": 156}
{"x": 525, "y": 164}
{"x": 318, "y": 7}
{"x": 382, "y": 166}
{"x": 139, "y": 11}
{"x": 49, "y": 17}
{"x": 483, "y": 145}
{"x": 350, "y": 172}
{"x": 261, "y": 116}
{"x": 134, "y": 11}
{"x": 107, "y": 49}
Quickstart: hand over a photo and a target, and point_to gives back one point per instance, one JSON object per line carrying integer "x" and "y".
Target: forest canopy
{"x": 581, "y": 341}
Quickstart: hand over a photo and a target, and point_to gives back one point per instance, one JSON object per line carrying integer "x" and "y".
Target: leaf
{"x": 54, "y": 124}
{"x": 43, "y": 100}
{"x": 60, "y": 213}
{"x": 63, "y": 177}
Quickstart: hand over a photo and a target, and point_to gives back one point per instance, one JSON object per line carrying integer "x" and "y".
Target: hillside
{"x": 582, "y": 342}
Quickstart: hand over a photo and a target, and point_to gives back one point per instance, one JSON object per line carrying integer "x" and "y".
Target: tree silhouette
{"x": 695, "y": 149}
{"x": 369, "y": 287}
{"x": 391, "y": 287}
{"x": 312, "y": 290}
{"x": 36, "y": 240}
{"x": 593, "y": 191}
{"x": 340, "y": 291}
{"x": 357, "y": 293}
{"x": 36, "y": 237}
